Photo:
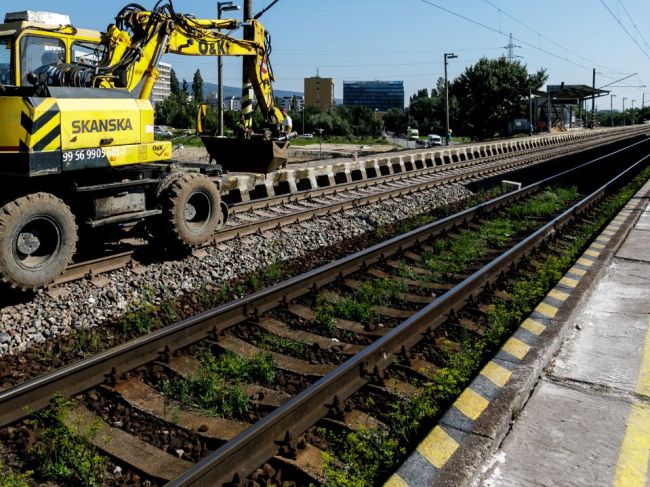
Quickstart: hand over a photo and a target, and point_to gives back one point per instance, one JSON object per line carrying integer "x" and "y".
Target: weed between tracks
{"x": 12, "y": 479}
{"x": 367, "y": 457}
{"x": 58, "y": 449}
{"x": 452, "y": 256}
{"x": 215, "y": 388}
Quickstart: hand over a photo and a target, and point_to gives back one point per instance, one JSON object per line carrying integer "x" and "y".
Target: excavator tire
{"x": 38, "y": 237}
{"x": 192, "y": 210}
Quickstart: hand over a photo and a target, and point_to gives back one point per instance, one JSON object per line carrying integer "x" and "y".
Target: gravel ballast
{"x": 84, "y": 304}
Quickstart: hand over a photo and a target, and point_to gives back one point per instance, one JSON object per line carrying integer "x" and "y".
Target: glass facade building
{"x": 379, "y": 95}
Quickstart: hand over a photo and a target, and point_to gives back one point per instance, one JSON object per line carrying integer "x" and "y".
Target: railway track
{"x": 408, "y": 303}
{"x": 275, "y": 212}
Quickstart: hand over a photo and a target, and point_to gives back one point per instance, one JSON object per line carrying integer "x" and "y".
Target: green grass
{"x": 64, "y": 454}
{"x": 324, "y": 317}
{"x": 214, "y": 388}
{"x": 359, "y": 306}
{"x": 9, "y": 478}
{"x": 298, "y": 142}
{"x": 280, "y": 344}
{"x": 259, "y": 369}
{"x": 210, "y": 394}
{"x": 453, "y": 256}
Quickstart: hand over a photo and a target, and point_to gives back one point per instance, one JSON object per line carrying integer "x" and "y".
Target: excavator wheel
{"x": 38, "y": 237}
{"x": 192, "y": 210}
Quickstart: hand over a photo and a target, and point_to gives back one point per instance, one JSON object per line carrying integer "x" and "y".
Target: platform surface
{"x": 587, "y": 423}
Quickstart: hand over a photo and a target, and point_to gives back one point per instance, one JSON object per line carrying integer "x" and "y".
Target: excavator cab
{"x": 30, "y": 40}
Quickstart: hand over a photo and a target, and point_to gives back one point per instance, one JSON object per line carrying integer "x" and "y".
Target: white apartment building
{"x": 162, "y": 89}
{"x": 233, "y": 103}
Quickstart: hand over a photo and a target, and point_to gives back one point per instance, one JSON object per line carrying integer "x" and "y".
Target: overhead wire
{"x": 633, "y": 23}
{"x": 542, "y": 36}
{"x": 644, "y": 51}
{"x": 496, "y": 31}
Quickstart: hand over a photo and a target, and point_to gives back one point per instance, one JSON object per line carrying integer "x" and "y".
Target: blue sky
{"x": 405, "y": 39}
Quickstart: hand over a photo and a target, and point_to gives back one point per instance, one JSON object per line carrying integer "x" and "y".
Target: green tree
{"x": 197, "y": 86}
{"x": 490, "y": 94}
{"x": 175, "y": 86}
{"x": 423, "y": 93}
{"x": 396, "y": 120}
{"x": 425, "y": 113}
{"x": 294, "y": 104}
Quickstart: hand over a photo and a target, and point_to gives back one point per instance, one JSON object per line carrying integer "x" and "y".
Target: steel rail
{"x": 263, "y": 203}
{"x": 549, "y": 151}
{"x": 265, "y": 224}
{"x": 254, "y": 446}
{"x": 19, "y": 401}
{"x": 112, "y": 262}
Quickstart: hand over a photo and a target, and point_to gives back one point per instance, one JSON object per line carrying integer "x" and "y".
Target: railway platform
{"x": 566, "y": 401}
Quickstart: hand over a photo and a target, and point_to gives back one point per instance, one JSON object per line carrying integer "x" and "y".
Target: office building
{"x": 163, "y": 88}
{"x": 378, "y": 95}
{"x": 319, "y": 93}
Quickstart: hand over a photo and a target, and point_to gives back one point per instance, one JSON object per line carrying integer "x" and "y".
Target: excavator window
{"x": 36, "y": 51}
{"x": 88, "y": 53}
{"x": 5, "y": 62}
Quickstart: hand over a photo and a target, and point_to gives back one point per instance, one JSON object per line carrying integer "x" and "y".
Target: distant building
{"x": 378, "y": 95}
{"x": 285, "y": 102}
{"x": 319, "y": 93}
{"x": 163, "y": 87}
{"x": 233, "y": 103}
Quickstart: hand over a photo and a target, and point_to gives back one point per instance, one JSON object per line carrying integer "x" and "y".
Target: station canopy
{"x": 568, "y": 94}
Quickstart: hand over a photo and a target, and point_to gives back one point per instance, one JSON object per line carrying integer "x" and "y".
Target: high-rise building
{"x": 163, "y": 87}
{"x": 378, "y": 95}
{"x": 319, "y": 93}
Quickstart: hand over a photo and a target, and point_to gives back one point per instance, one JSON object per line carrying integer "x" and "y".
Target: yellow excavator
{"x": 77, "y": 145}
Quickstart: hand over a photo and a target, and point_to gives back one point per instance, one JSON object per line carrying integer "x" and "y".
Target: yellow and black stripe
{"x": 41, "y": 121}
{"x": 247, "y": 104}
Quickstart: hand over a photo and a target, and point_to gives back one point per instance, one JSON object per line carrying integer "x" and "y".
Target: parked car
{"x": 433, "y": 140}
{"x": 307, "y": 136}
{"x": 162, "y": 131}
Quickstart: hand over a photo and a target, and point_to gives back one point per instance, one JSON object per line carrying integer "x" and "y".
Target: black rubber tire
{"x": 38, "y": 238}
{"x": 192, "y": 210}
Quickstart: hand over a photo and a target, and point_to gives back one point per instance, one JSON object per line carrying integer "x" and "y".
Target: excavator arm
{"x": 139, "y": 38}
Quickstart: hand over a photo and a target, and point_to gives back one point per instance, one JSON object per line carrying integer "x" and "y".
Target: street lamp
{"x": 374, "y": 119}
{"x": 222, "y": 7}
{"x": 447, "y": 56}
{"x": 611, "y": 108}
{"x": 624, "y": 98}
{"x": 303, "y": 117}
{"x": 530, "y": 111}
{"x": 633, "y": 112}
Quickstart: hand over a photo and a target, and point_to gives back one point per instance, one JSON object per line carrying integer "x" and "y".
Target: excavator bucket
{"x": 247, "y": 155}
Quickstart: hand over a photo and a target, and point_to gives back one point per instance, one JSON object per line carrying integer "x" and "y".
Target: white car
{"x": 433, "y": 140}
{"x": 162, "y": 131}
{"x": 307, "y": 136}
